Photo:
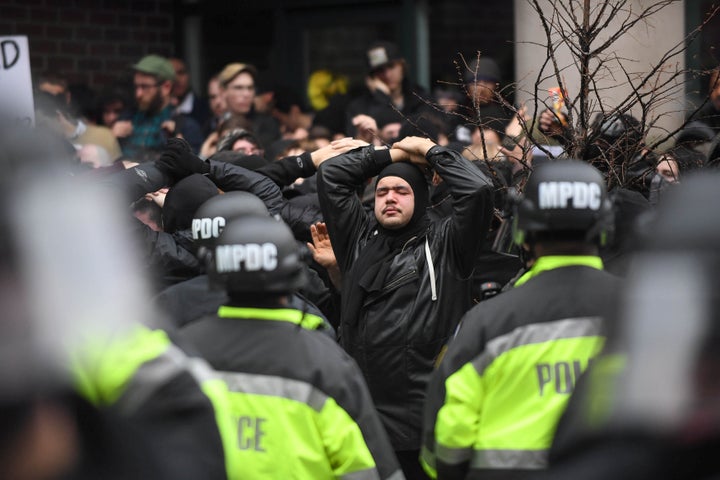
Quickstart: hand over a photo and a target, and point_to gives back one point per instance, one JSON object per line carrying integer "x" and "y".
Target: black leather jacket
{"x": 405, "y": 323}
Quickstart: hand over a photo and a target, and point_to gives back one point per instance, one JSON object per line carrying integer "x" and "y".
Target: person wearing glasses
{"x": 143, "y": 136}
{"x": 238, "y": 81}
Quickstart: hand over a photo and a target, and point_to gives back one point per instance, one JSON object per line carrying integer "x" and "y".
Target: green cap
{"x": 156, "y": 65}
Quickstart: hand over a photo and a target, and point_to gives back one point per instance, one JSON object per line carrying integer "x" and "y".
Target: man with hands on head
{"x": 406, "y": 280}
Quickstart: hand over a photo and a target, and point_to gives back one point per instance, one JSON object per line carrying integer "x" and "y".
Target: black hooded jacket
{"x": 411, "y": 312}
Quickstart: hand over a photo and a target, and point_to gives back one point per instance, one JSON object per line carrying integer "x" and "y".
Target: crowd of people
{"x": 386, "y": 284}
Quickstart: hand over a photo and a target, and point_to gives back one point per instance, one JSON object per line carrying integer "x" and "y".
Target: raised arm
{"x": 286, "y": 170}
{"x": 229, "y": 177}
{"x": 472, "y": 194}
{"x": 137, "y": 181}
{"x": 340, "y": 180}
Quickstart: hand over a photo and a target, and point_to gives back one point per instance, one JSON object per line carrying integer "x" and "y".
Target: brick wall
{"x": 94, "y": 41}
{"x": 89, "y": 41}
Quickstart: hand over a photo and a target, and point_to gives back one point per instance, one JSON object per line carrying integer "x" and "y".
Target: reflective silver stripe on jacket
{"x": 372, "y": 474}
{"x": 367, "y": 474}
{"x": 510, "y": 459}
{"x": 453, "y": 456}
{"x": 397, "y": 475}
{"x": 428, "y": 457}
{"x": 296, "y": 390}
{"x": 150, "y": 377}
{"x": 536, "y": 333}
{"x": 276, "y": 387}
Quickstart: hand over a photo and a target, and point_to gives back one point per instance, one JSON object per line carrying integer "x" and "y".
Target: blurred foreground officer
{"x": 496, "y": 397}
{"x": 69, "y": 284}
{"x": 176, "y": 401}
{"x": 301, "y": 406}
{"x": 649, "y": 407}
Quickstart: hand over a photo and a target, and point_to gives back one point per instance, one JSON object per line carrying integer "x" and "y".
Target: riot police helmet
{"x": 257, "y": 255}
{"x": 564, "y": 199}
{"x": 212, "y": 216}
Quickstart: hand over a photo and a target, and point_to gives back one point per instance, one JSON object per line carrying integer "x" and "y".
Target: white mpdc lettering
{"x": 204, "y": 228}
{"x": 250, "y": 257}
{"x": 559, "y": 194}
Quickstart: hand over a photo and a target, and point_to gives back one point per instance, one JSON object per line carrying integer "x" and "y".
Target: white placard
{"x": 16, "y": 88}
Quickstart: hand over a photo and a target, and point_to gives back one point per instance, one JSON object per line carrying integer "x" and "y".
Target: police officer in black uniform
{"x": 648, "y": 406}
{"x": 301, "y": 406}
{"x": 493, "y": 404}
{"x": 193, "y": 299}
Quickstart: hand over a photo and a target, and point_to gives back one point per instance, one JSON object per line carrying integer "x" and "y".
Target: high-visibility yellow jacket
{"x": 301, "y": 409}
{"x": 175, "y": 399}
{"x": 496, "y": 397}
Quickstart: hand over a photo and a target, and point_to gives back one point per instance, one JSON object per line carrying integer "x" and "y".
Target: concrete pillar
{"x": 192, "y": 46}
{"x": 422, "y": 44}
{"x": 637, "y": 52}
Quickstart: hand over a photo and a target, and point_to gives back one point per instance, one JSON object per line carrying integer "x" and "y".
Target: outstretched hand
{"x": 321, "y": 248}
{"x": 322, "y": 252}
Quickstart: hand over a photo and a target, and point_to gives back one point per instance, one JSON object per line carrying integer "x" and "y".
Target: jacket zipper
{"x": 398, "y": 280}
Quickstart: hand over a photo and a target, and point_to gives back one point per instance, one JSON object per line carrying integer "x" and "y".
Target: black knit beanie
{"x": 183, "y": 199}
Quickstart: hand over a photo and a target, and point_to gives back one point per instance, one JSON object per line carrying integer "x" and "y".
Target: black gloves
{"x": 178, "y": 160}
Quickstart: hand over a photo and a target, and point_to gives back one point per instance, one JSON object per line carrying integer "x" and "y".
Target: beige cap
{"x": 232, "y": 70}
